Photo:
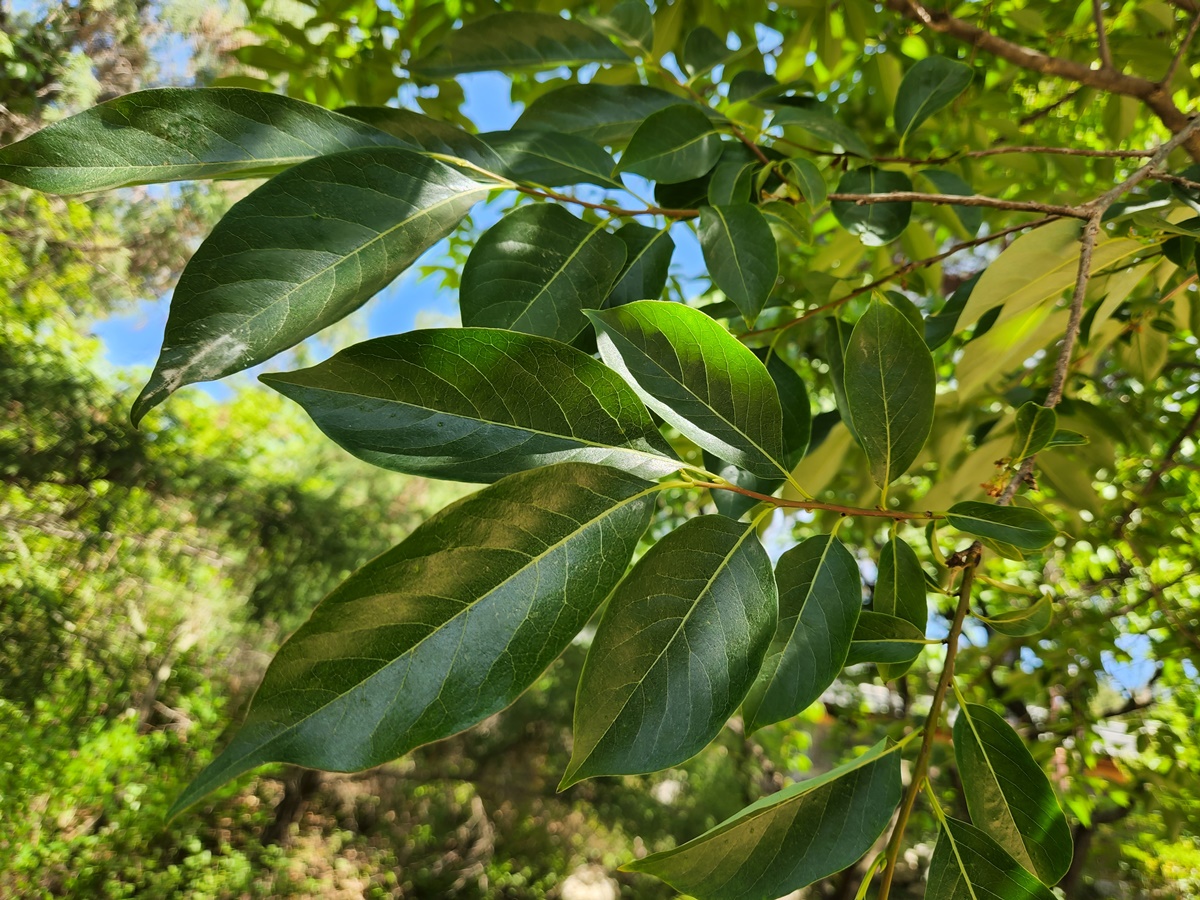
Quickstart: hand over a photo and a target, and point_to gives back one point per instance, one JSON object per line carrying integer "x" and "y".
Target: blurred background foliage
{"x": 147, "y": 576}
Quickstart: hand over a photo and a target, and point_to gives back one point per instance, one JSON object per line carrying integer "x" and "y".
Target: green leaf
{"x": 704, "y": 50}
{"x": 1008, "y": 794}
{"x": 1023, "y": 528}
{"x": 900, "y": 591}
{"x": 180, "y": 134}
{"x": 969, "y": 865}
{"x": 510, "y": 41}
{"x": 788, "y": 839}
{"x": 881, "y": 638}
{"x": 699, "y": 378}
{"x": 945, "y": 182}
{"x": 537, "y": 269}
{"x": 809, "y": 179}
{"x": 820, "y": 598}
{"x": 446, "y": 628}
{"x": 1064, "y": 438}
{"x": 822, "y": 125}
{"x": 672, "y": 145}
{"x": 875, "y": 223}
{"x": 629, "y": 22}
{"x": 941, "y": 327}
{"x": 929, "y": 86}
{"x": 679, "y": 645}
{"x": 648, "y": 253}
{"x": 304, "y": 250}
{"x": 890, "y": 385}
{"x": 777, "y": 212}
{"x": 604, "y": 114}
{"x": 476, "y": 404}
{"x": 732, "y": 182}
{"x": 1035, "y": 429}
{"x": 740, "y": 252}
{"x": 1034, "y": 619}
{"x": 430, "y": 135}
{"x": 551, "y": 160}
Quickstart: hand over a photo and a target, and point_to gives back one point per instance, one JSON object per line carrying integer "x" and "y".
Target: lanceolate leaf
{"x": 890, "y": 384}
{"x": 875, "y": 223}
{"x": 476, "y": 404}
{"x": 1033, "y": 619}
{"x": 697, "y": 376}
{"x": 429, "y": 134}
{"x": 630, "y": 22}
{"x": 648, "y": 253}
{"x": 900, "y": 591}
{"x": 820, "y": 598}
{"x": 302, "y": 251}
{"x": 930, "y": 85}
{"x": 551, "y": 160}
{"x": 536, "y": 270}
{"x": 517, "y": 40}
{"x": 604, "y": 114}
{"x": 679, "y": 645}
{"x": 1009, "y": 795}
{"x": 179, "y": 134}
{"x": 1023, "y": 528}
{"x": 1035, "y": 429}
{"x": 789, "y": 839}
{"x": 881, "y": 638}
{"x": 969, "y": 865}
{"x": 740, "y": 252}
{"x": 674, "y": 144}
{"x": 446, "y": 628}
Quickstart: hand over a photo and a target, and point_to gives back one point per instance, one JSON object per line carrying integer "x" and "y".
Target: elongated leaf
{"x": 1035, "y": 429}
{"x": 476, "y": 404}
{"x": 510, "y": 41}
{"x": 880, "y": 638}
{"x": 536, "y": 270}
{"x": 604, "y": 114}
{"x": 809, "y": 179}
{"x": 428, "y": 134}
{"x": 648, "y": 253}
{"x": 1033, "y": 619}
{"x": 1009, "y": 795}
{"x": 740, "y": 252}
{"x": 1065, "y": 438}
{"x": 732, "y": 182}
{"x": 779, "y": 213}
{"x": 874, "y": 223}
{"x": 551, "y": 160}
{"x": 822, "y": 125}
{"x": 789, "y": 839}
{"x": 180, "y": 134}
{"x": 1023, "y": 528}
{"x": 900, "y": 591}
{"x": 929, "y": 86}
{"x": 674, "y": 144}
{"x": 820, "y": 598}
{"x": 890, "y": 385}
{"x": 448, "y": 627}
{"x": 302, "y": 251}
{"x": 698, "y": 377}
{"x": 969, "y": 865}
{"x": 679, "y": 645}
{"x": 630, "y": 22}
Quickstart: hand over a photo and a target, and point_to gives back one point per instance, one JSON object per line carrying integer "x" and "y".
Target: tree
{"x": 1001, "y": 441}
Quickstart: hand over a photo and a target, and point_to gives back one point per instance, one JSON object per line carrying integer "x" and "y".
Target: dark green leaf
{"x": 740, "y": 252}
{"x": 929, "y": 86}
{"x": 778, "y": 212}
{"x": 731, "y": 503}
{"x": 969, "y": 865}
{"x": 604, "y": 114}
{"x": 874, "y": 223}
{"x": 940, "y": 327}
{"x": 820, "y": 598}
{"x": 749, "y": 85}
{"x": 647, "y": 262}
{"x": 822, "y": 125}
{"x": 809, "y": 179}
{"x": 731, "y": 182}
{"x": 788, "y": 839}
{"x": 177, "y": 134}
{"x": 674, "y": 144}
{"x": 679, "y": 645}
{"x": 476, "y": 404}
{"x": 446, "y": 628}
{"x": 1023, "y": 528}
{"x": 551, "y": 160}
{"x": 510, "y": 41}
{"x": 301, "y": 252}
{"x": 1065, "y": 438}
{"x": 890, "y": 385}
{"x": 837, "y": 339}
{"x": 430, "y": 135}
{"x": 1033, "y": 619}
{"x": 630, "y": 22}
{"x": 880, "y": 638}
{"x": 703, "y": 50}
{"x": 699, "y": 378}
{"x": 1035, "y": 429}
{"x": 797, "y": 410}
{"x": 945, "y": 182}
{"x": 900, "y": 591}
{"x": 536, "y": 270}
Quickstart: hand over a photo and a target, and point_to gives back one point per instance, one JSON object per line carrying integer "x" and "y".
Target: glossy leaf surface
{"x": 740, "y": 252}
{"x": 551, "y": 160}
{"x": 900, "y": 592}
{"x": 969, "y": 865}
{"x": 605, "y": 114}
{"x": 875, "y": 223}
{"x": 1023, "y": 528}
{"x": 882, "y": 638}
{"x": 648, "y": 253}
{"x": 672, "y": 145}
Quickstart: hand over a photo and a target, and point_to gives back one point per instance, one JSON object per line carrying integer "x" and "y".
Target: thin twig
{"x": 1046, "y": 110}
{"x": 1101, "y": 34}
{"x": 605, "y": 207}
{"x": 960, "y": 200}
{"x": 898, "y": 515}
{"x": 1060, "y": 151}
{"x": 1180, "y": 53}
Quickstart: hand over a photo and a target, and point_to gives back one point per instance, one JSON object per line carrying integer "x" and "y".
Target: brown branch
{"x": 1180, "y": 53}
{"x": 1060, "y": 151}
{"x": 813, "y": 504}
{"x": 1101, "y": 34}
{"x": 605, "y": 207}
{"x": 957, "y": 200}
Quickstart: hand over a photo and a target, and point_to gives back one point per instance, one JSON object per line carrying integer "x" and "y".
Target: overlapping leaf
{"x": 648, "y": 253}
{"x": 969, "y": 865}
{"x": 1019, "y": 526}
{"x": 930, "y": 85}
{"x": 429, "y": 134}
{"x": 1036, "y": 425}
{"x": 740, "y": 252}
{"x": 673, "y": 145}
{"x": 605, "y": 114}
{"x": 875, "y": 223}
{"x": 551, "y": 159}
{"x": 886, "y": 639}
{"x": 822, "y": 125}
{"x": 900, "y": 591}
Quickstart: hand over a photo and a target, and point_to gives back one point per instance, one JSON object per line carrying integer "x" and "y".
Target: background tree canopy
{"x": 826, "y": 389}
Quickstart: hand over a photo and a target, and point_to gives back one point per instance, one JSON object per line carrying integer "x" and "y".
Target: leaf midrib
{"x": 996, "y": 778}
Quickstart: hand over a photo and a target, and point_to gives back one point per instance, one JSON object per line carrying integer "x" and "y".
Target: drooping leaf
{"x": 1036, "y": 425}
{"x": 630, "y": 22}
{"x": 604, "y": 114}
{"x": 446, "y": 628}
{"x": 537, "y": 270}
{"x": 740, "y": 252}
{"x": 822, "y": 125}
{"x": 180, "y": 134}
{"x": 781, "y": 213}
{"x": 1065, "y": 438}
{"x": 874, "y": 223}
{"x": 890, "y": 385}
{"x": 969, "y": 865}
{"x": 301, "y": 252}
{"x": 929, "y": 86}
{"x": 429, "y": 134}
{"x": 881, "y": 638}
{"x": 788, "y": 839}
{"x": 648, "y": 253}
{"x": 679, "y": 645}
{"x": 672, "y": 145}
{"x": 697, "y": 376}
{"x": 551, "y": 160}
{"x": 1033, "y": 619}
{"x": 820, "y": 598}
{"x": 809, "y": 179}
{"x": 1023, "y": 528}
{"x": 476, "y": 404}
{"x": 510, "y": 41}
{"x": 900, "y": 591}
